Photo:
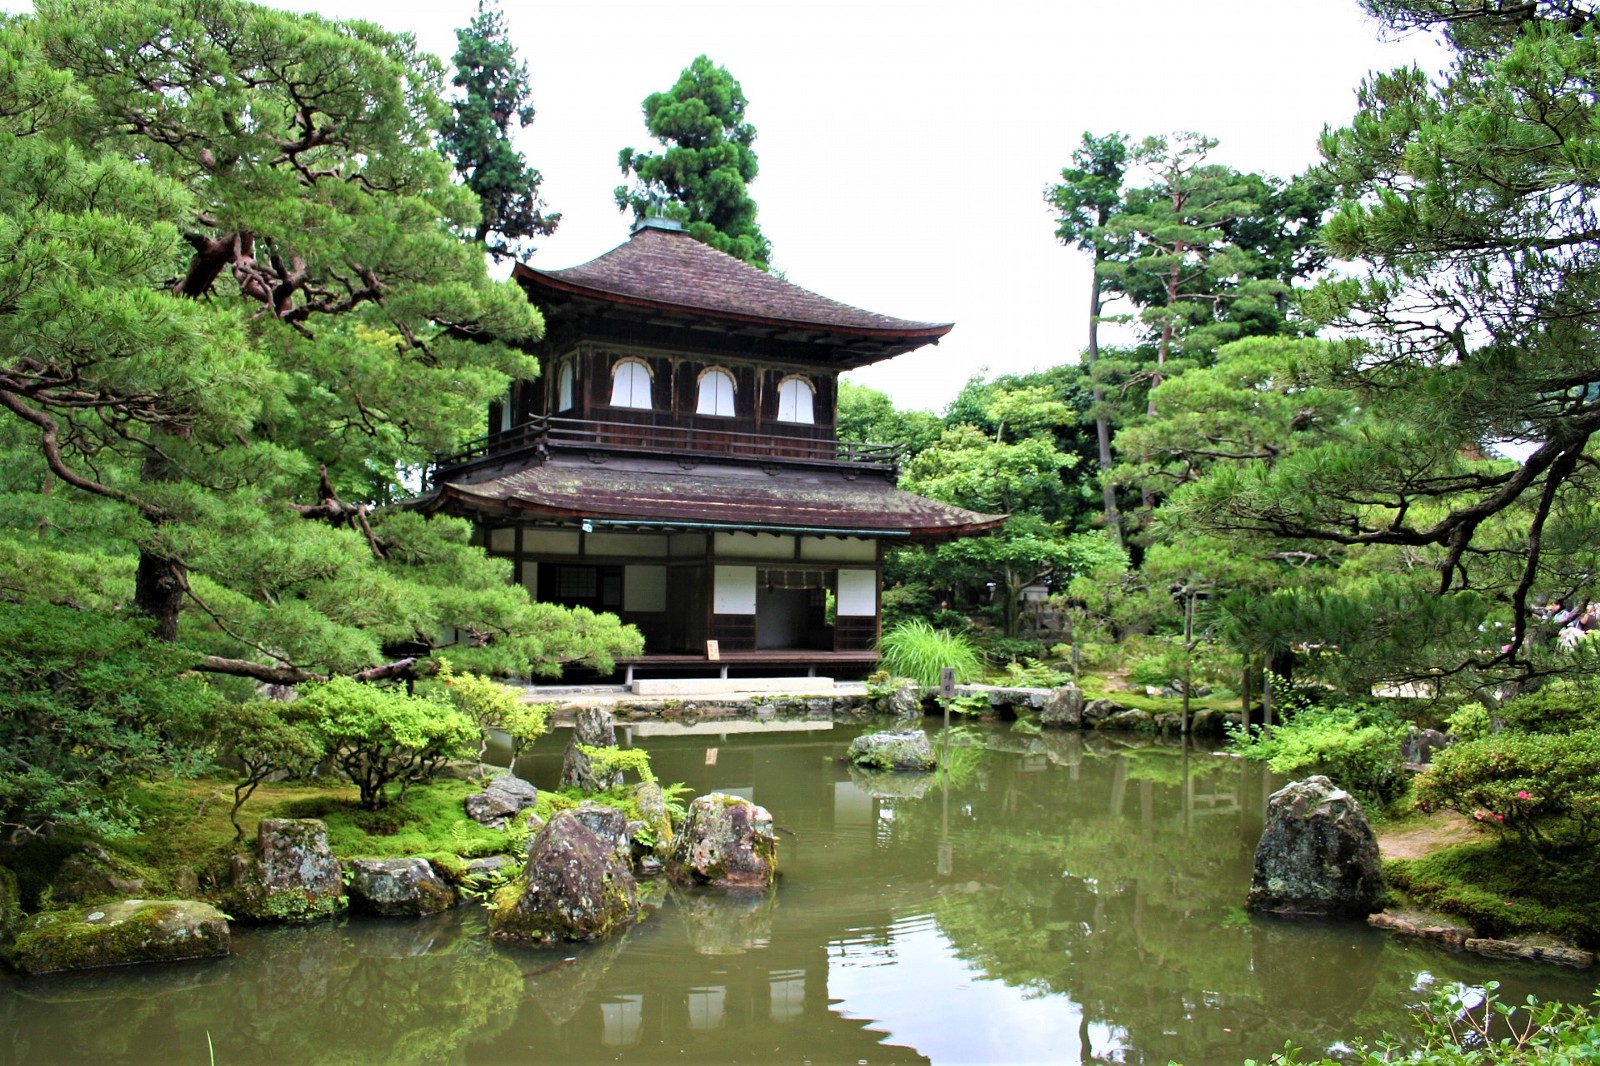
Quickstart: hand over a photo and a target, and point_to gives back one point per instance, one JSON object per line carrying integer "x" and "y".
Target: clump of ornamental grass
{"x": 915, "y": 649}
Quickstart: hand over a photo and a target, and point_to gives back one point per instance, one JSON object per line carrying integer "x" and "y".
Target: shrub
{"x": 492, "y": 705}
{"x": 1356, "y": 747}
{"x": 916, "y": 650}
{"x": 379, "y": 736}
{"x": 87, "y": 703}
{"x": 258, "y": 738}
{"x": 1544, "y": 788}
{"x": 1555, "y": 707}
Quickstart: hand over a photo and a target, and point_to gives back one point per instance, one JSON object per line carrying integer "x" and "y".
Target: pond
{"x": 1057, "y": 899}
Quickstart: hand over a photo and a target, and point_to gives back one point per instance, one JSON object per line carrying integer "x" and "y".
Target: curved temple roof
{"x": 666, "y": 270}
{"x": 661, "y": 494}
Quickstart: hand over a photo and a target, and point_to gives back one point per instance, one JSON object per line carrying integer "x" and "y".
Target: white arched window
{"x": 716, "y": 392}
{"x": 795, "y": 400}
{"x": 630, "y": 384}
{"x": 564, "y": 388}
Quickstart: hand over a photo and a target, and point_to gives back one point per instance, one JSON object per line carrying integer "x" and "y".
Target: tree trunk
{"x": 1102, "y": 428}
{"x": 159, "y": 581}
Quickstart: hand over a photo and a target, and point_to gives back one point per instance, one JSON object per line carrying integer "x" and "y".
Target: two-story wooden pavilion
{"x": 677, "y": 463}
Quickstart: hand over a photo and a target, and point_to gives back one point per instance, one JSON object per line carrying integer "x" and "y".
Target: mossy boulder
{"x": 593, "y": 727}
{"x": 119, "y": 934}
{"x": 10, "y": 906}
{"x": 1063, "y": 708}
{"x": 1134, "y": 721}
{"x": 291, "y": 877}
{"x": 573, "y": 887}
{"x": 1317, "y": 856}
{"x": 908, "y": 750}
{"x": 91, "y": 873}
{"x": 727, "y": 843}
{"x": 503, "y": 798}
{"x": 658, "y": 833}
{"x": 397, "y": 888}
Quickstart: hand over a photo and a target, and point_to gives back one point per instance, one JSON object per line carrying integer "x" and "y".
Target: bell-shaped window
{"x": 796, "y": 400}
{"x": 564, "y": 380}
{"x": 716, "y": 392}
{"x": 630, "y": 384}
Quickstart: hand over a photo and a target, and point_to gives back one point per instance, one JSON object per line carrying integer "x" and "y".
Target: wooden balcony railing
{"x": 538, "y": 436}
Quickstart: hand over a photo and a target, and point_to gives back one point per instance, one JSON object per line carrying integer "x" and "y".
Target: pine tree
{"x": 702, "y": 177}
{"x": 477, "y": 137}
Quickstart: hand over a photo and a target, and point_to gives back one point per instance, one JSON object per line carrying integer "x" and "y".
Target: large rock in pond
{"x": 1317, "y": 856}
{"x": 117, "y": 934}
{"x": 909, "y": 750}
{"x": 594, "y": 728}
{"x": 505, "y": 796}
{"x": 1063, "y": 708}
{"x": 292, "y": 877}
{"x": 904, "y": 701}
{"x": 1131, "y": 721}
{"x": 656, "y": 835}
{"x": 609, "y": 826}
{"x": 728, "y": 843}
{"x": 573, "y": 887}
{"x": 398, "y": 888}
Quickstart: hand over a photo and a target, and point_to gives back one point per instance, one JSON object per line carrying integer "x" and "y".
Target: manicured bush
{"x": 916, "y": 650}
{"x": 1554, "y": 708}
{"x": 262, "y": 743}
{"x": 1543, "y": 788}
{"x": 378, "y": 736}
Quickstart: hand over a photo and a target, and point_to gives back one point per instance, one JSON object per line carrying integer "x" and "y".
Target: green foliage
{"x": 1543, "y": 788}
{"x": 378, "y": 736}
{"x": 88, "y": 703}
{"x": 1470, "y": 721}
{"x": 916, "y": 650}
{"x": 1553, "y": 708}
{"x": 1355, "y": 745}
{"x": 1031, "y": 673}
{"x": 611, "y": 759}
{"x": 868, "y": 416}
{"x": 1460, "y": 1027}
{"x": 702, "y": 176}
{"x": 477, "y": 136}
{"x": 492, "y": 705}
{"x": 258, "y": 738}
{"x": 226, "y": 344}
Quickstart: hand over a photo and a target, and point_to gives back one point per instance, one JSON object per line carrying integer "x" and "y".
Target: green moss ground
{"x": 1502, "y": 890}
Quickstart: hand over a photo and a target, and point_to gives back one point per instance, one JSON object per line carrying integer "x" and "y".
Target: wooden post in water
{"x": 947, "y": 692}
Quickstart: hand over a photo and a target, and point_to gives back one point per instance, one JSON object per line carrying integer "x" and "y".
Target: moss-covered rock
{"x": 10, "y": 906}
{"x": 398, "y": 888}
{"x": 118, "y": 934}
{"x": 727, "y": 842}
{"x": 91, "y": 873}
{"x": 908, "y": 750}
{"x": 573, "y": 887}
{"x": 658, "y": 832}
{"x": 1317, "y": 856}
{"x": 292, "y": 877}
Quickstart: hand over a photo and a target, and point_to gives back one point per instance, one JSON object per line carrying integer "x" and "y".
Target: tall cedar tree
{"x": 702, "y": 177}
{"x": 1468, "y": 198}
{"x": 1089, "y": 194}
{"x": 477, "y": 137}
{"x": 223, "y": 342}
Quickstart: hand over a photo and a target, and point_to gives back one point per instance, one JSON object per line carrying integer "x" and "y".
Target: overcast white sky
{"x": 905, "y": 147}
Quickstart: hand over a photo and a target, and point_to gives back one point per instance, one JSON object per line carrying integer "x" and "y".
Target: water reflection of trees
{"x": 391, "y": 992}
{"x": 1115, "y": 876}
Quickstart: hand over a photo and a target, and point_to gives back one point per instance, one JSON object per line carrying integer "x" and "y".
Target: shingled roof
{"x": 665, "y": 270}
{"x": 661, "y": 494}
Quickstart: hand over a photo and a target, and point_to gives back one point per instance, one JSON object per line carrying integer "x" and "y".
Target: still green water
{"x": 1059, "y": 899}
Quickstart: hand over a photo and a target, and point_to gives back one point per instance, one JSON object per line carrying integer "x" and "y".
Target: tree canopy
{"x": 702, "y": 176}
{"x": 476, "y": 137}
{"x": 237, "y": 318}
